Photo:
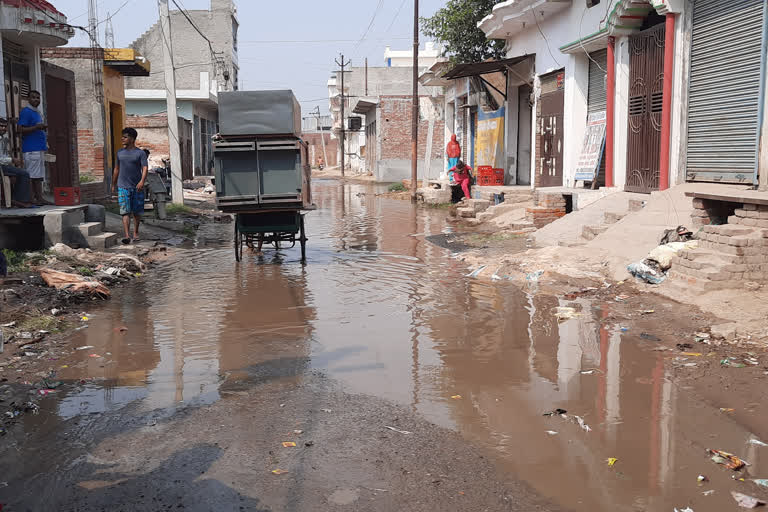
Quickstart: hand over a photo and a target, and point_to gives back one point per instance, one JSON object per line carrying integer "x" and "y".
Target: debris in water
{"x": 456, "y": 397}
{"x": 649, "y": 337}
{"x": 701, "y": 479}
{"x": 726, "y": 459}
{"x": 684, "y": 346}
{"x": 84, "y": 347}
{"x": 762, "y": 482}
{"x": 647, "y": 312}
{"x": 611, "y": 461}
{"x": 398, "y": 430}
{"x": 289, "y": 444}
{"x": 564, "y": 313}
{"x": 583, "y": 425}
{"x": 278, "y": 471}
{"x": 551, "y": 432}
{"x": 556, "y": 412}
{"x": 757, "y": 442}
{"x": 44, "y": 392}
{"x": 475, "y": 272}
{"x": 94, "y": 355}
{"x": 709, "y": 492}
{"x": 745, "y": 501}
{"x": 686, "y": 509}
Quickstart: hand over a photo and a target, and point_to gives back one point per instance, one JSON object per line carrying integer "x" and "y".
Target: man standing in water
{"x": 34, "y": 143}
{"x": 128, "y": 180}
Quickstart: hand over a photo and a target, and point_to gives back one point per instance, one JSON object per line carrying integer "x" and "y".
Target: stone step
{"x": 89, "y": 228}
{"x": 466, "y": 212}
{"x": 635, "y": 205}
{"x": 592, "y": 232}
{"x": 102, "y": 240}
{"x": 613, "y": 217}
{"x": 484, "y": 216}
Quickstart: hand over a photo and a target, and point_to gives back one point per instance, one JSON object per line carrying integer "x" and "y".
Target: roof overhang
{"x": 434, "y": 76}
{"x": 34, "y": 23}
{"x": 510, "y": 17}
{"x": 126, "y": 61}
{"x": 365, "y": 105}
{"x": 484, "y": 68}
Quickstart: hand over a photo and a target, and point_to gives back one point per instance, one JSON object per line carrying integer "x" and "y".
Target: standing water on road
{"x": 388, "y": 314}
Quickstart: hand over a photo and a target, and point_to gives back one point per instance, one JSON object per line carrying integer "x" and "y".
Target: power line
{"x": 302, "y": 41}
{"x": 373, "y": 18}
{"x": 396, "y": 15}
{"x": 545, "y": 38}
{"x": 581, "y": 43}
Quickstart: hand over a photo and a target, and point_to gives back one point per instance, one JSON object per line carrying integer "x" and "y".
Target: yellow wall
{"x": 114, "y": 92}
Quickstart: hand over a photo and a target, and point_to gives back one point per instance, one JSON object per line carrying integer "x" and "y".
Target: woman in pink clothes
{"x": 462, "y": 173}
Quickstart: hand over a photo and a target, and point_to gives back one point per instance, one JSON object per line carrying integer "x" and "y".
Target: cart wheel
{"x": 238, "y": 243}
{"x": 302, "y": 239}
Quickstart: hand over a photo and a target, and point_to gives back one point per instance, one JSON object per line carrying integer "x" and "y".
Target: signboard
{"x": 591, "y": 154}
{"x": 489, "y": 142}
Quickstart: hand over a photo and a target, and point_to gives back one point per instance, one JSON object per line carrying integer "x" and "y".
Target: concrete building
{"x": 25, "y": 27}
{"x": 678, "y": 90}
{"x": 379, "y": 144}
{"x": 404, "y": 58}
{"x": 200, "y": 75}
{"x": 98, "y": 126}
{"x": 316, "y": 132}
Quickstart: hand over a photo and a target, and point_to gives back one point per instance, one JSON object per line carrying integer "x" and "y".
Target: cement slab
{"x": 37, "y": 212}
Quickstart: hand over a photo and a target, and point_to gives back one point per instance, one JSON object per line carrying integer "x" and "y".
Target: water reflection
{"x": 386, "y": 313}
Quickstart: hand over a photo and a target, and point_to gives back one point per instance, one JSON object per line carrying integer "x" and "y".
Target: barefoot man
{"x": 128, "y": 180}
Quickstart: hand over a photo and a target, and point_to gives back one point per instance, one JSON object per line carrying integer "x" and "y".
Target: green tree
{"x": 455, "y": 26}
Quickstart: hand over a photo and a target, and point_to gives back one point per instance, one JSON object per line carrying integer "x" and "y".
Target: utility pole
{"x": 177, "y": 191}
{"x": 342, "y": 65}
{"x": 322, "y": 133}
{"x": 415, "y": 110}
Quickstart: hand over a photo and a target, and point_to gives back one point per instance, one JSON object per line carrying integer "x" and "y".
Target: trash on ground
{"x": 701, "y": 479}
{"x": 701, "y": 337}
{"x": 289, "y": 444}
{"x": 745, "y": 501}
{"x": 684, "y": 346}
{"x": 398, "y": 430}
{"x": 757, "y": 442}
{"x": 551, "y": 432}
{"x": 649, "y": 337}
{"x": 727, "y": 409}
{"x": 693, "y": 354}
{"x": 645, "y": 272}
{"x": 762, "y": 482}
{"x": 9, "y": 324}
{"x": 94, "y": 355}
{"x": 533, "y": 277}
{"x": 647, "y": 311}
{"x": 709, "y": 492}
{"x": 611, "y": 461}
{"x": 73, "y": 282}
{"x": 44, "y": 392}
{"x": 309, "y": 443}
{"x": 726, "y": 459}
{"x": 556, "y": 412}
{"x": 84, "y": 347}
{"x": 680, "y": 234}
{"x": 583, "y": 425}
{"x": 565, "y": 313}
{"x": 587, "y": 372}
{"x": 278, "y": 471}
{"x": 476, "y": 272}
{"x": 686, "y": 509}
{"x": 456, "y": 397}
{"x": 298, "y": 432}
{"x": 324, "y": 410}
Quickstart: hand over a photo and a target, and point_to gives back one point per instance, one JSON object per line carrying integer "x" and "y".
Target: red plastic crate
{"x": 484, "y": 168}
{"x": 498, "y": 172}
{"x": 66, "y": 196}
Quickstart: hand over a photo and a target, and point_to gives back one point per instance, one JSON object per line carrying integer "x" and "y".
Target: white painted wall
{"x": 621, "y": 113}
{"x": 679, "y": 133}
{"x": 575, "y": 114}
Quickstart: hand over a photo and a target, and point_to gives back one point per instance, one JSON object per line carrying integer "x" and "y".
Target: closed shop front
{"x": 596, "y": 96}
{"x": 549, "y": 131}
{"x": 724, "y": 91}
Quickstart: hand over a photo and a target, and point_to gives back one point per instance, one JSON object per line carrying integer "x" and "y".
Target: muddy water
{"x": 381, "y": 310}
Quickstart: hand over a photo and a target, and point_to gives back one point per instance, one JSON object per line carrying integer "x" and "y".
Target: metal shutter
{"x": 596, "y": 97}
{"x": 724, "y": 90}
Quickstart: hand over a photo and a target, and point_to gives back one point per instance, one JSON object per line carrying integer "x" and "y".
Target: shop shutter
{"x": 724, "y": 90}
{"x": 596, "y": 97}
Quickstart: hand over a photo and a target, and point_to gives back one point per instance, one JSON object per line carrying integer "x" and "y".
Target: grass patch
{"x": 176, "y": 209}
{"x": 480, "y": 238}
{"x": 39, "y": 323}
{"x": 84, "y": 271}
{"x": 438, "y": 206}
{"x": 189, "y": 231}
{"x": 87, "y": 178}
{"x": 17, "y": 260}
{"x": 397, "y": 187}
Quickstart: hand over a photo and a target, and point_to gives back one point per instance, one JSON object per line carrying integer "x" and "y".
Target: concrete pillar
{"x": 511, "y": 129}
{"x": 3, "y": 106}
{"x": 679, "y": 133}
{"x": 621, "y": 113}
{"x": 575, "y": 112}
{"x": 666, "y": 112}
{"x": 610, "y": 113}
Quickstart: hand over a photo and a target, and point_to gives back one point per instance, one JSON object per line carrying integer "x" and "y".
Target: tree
{"x": 455, "y": 25}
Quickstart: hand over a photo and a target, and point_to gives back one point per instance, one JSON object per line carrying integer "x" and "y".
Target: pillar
{"x": 610, "y": 91}
{"x": 666, "y": 108}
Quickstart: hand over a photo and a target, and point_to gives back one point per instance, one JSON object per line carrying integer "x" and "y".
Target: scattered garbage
{"x": 309, "y": 443}
{"x": 564, "y": 313}
{"x": 709, "y": 492}
{"x": 583, "y": 425}
{"x": 701, "y": 337}
{"x": 726, "y": 459}
{"x": 278, "y": 471}
{"x": 84, "y": 347}
{"x": 684, "y": 346}
{"x": 551, "y": 432}
{"x": 648, "y": 312}
{"x": 686, "y": 509}
{"x": 693, "y": 354}
{"x": 289, "y": 444}
{"x": 701, "y": 479}
{"x": 298, "y": 432}
{"x": 762, "y": 482}
{"x": 729, "y": 361}
{"x": 533, "y": 277}
{"x": 556, "y": 412}
{"x": 456, "y": 397}
{"x": 73, "y": 282}
{"x": 649, "y": 337}
{"x": 476, "y": 272}
{"x": 587, "y": 372}
{"x": 679, "y": 234}
{"x": 9, "y": 324}
{"x": 727, "y": 409}
{"x": 398, "y": 430}
{"x": 745, "y": 501}
{"x": 611, "y": 461}
{"x": 757, "y": 442}
{"x": 645, "y": 272}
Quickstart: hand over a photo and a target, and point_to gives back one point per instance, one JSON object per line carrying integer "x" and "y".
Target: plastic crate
{"x": 484, "y": 168}
{"x": 498, "y": 172}
{"x": 66, "y": 196}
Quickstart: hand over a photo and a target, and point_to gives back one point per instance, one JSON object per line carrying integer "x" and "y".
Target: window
{"x": 592, "y": 3}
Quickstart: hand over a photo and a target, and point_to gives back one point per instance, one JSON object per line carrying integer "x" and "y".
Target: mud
{"x": 221, "y": 362}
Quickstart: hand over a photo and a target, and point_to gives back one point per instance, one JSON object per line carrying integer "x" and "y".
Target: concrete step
{"x": 592, "y": 232}
{"x": 466, "y": 212}
{"x": 89, "y": 228}
{"x": 484, "y": 216}
{"x": 635, "y": 205}
{"x": 613, "y": 217}
{"x": 102, "y": 240}
{"x": 523, "y": 225}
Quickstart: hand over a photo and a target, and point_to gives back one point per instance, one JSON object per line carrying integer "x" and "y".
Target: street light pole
{"x": 415, "y": 108}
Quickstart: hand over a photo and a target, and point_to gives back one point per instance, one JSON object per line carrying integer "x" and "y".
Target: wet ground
{"x": 219, "y": 363}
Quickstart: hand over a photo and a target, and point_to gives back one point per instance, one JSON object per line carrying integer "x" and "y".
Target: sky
{"x": 288, "y": 44}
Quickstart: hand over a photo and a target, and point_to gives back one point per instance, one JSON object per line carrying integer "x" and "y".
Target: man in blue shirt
{"x": 128, "y": 180}
{"x": 34, "y": 144}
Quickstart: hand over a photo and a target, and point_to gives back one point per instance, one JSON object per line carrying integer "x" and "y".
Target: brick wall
{"x": 395, "y": 129}
{"x": 153, "y": 135}
{"x": 90, "y": 151}
{"x": 548, "y": 207}
{"x": 316, "y": 148}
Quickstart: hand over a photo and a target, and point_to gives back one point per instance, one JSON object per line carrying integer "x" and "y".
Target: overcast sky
{"x": 333, "y": 26}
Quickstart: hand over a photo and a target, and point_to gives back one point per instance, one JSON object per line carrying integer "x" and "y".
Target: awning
{"x": 483, "y": 68}
{"x": 365, "y": 105}
{"x": 126, "y": 61}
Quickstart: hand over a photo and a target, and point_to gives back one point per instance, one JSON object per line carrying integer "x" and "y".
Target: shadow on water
{"x": 387, "y": 313}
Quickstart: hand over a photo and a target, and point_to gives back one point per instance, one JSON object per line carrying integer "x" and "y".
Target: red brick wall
{"x": 395, "y": 130}
{"x": 315, "y": 144}
{"x": 90, "y": 153}
{"x": 153, "y": 135}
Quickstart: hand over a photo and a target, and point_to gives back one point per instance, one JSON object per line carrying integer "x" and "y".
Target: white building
{"x": 404, "y": 58}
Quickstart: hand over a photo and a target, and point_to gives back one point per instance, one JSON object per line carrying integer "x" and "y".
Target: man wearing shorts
{"x": 128, "y": 180}
{"x": 33, "y": 145}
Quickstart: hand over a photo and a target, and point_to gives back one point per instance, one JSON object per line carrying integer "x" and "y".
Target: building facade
{"x": 679, "y": 90}
{"x": 202, "y": 71}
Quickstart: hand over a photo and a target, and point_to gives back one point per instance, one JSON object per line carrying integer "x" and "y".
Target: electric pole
{"x": 177, "y": 191}
{"x": 322, "y": 134}
{"x": 415, "y": 110}
{"x": 342, "y": 65}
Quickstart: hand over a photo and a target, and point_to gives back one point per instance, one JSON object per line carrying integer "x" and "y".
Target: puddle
{"x": 392, "y": 315}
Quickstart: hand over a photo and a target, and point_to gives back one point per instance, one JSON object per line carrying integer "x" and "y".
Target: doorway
{"x": 59, "y": 111}
{"x": 550, "y": 130}
{"x": 646, "y": 84}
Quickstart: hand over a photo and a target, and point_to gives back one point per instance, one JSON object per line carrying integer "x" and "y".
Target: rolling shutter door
{"x": 724, "y": 90}
{"x": 596, "y": 97}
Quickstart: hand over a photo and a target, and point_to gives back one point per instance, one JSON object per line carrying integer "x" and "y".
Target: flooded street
{"x": 219, "y": 359}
